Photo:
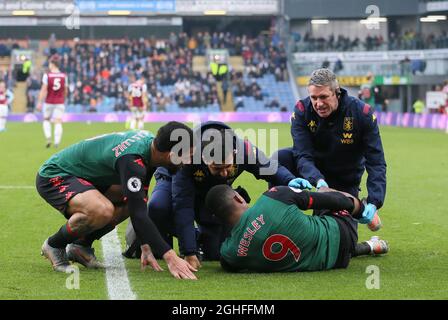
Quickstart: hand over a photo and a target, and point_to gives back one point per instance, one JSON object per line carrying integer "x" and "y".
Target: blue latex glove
{"x": 321, "y": 183}
{"x": 368, "y": 213}
{"x": 300, "y": 183}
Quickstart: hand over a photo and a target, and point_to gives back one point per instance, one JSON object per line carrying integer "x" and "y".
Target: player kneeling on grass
{"x": 100, "y": 182}
{"x": 274, "y": 235}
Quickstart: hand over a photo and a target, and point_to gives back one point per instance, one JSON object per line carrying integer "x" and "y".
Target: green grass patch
{"x": 414, "y": 218}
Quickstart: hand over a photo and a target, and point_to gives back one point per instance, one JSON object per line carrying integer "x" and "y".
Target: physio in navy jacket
{"x": 179, "y": 200}
{"x": 336, "y": 138}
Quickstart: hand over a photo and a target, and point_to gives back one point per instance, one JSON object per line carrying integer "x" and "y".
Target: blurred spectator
{"x": 405, "y": 66}
{"x": 161, "y": 101}
{"x": 408, "y": 40}
{"x": 418, "y": 66}
{"x": 367, "y": 91}
{"x": 239, "y": 103}
{"x": 273, "y": 104}
{"x": 445, "y": 86}
{"x": 225, "y": 89}
{"x": 338, "y": 66}
{"x": 32, "y": 92}
{"x": 418, "y": 106}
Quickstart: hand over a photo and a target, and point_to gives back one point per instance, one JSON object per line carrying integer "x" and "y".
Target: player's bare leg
{"x": 3, "y": 115}
{"x": 81, "y": 250}
{"x": 2, "y": 124}
{"x": 88, "y": 211}
{"x": 47, "y": 131}
{"x": 57, "y": 132}
{"x": 141, "y": 122}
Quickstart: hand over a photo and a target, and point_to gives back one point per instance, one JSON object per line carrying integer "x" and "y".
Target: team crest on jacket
{"x": 312, "y": 125}
{"x": 199, "y": 175}
{"x": 348, "y": 123}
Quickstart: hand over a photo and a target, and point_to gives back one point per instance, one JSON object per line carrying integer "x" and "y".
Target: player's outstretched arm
{"x": 332, "y": 200}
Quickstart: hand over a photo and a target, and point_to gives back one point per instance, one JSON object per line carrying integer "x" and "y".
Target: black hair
{"x": 217, "y": 139}
{"x": 165, "y": 141}
{"x": 219, "y": 201}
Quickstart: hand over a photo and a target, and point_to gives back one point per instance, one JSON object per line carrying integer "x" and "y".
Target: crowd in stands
{"x": 102, "y": 70}
{"x": 409, "y": 40}
{"x": 6, "y": 47}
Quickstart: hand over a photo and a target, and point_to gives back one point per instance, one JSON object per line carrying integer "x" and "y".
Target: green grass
{"x": 414, "y": 219}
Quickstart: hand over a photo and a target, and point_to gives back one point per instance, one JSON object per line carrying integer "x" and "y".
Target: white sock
{"x": 141, "y": 124}
{"x": 47, "y": 130}
{"x": 2, "y": 123}
{"x": 57, "y": 133}
{"x": 133, "y": 124}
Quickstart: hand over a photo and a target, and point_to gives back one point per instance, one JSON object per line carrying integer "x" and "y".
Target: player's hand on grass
{"x": 321, "y": 184}
{"x": 300, "y": 183}
{"x": 148, "y": 259}
{"x": 179, "y": 268}
{"x": 193, "y": 261}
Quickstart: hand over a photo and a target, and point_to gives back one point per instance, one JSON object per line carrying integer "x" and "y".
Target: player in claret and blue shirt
{"x": 54, "y": 90}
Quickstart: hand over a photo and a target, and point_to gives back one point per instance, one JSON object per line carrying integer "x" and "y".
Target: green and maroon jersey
{"x": 95, "y": 159}
{"x": 275, "y": 235}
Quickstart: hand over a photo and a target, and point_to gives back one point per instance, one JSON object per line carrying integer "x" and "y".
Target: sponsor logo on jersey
{"x": 134, "y": 184}
{"x": 348, "y": 124}
{"x": 347, "y": 138}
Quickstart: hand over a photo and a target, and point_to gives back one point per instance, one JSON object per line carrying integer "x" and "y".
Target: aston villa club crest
{"x": 312, "y": 125}
{"x": 348, "y": 124}
{"x": 199, "y": 175}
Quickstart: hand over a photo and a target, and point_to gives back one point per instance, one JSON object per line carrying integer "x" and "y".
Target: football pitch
{"x": 415, "y": 223}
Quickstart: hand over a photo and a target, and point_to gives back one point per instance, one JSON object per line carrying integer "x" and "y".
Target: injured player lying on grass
{"x": 274, "y": 235}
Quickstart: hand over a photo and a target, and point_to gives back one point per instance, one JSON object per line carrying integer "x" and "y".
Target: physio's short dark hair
{"x": 217, "y": 139}
{"x": 164, "y": 142}
{"x": 219, "y": 201}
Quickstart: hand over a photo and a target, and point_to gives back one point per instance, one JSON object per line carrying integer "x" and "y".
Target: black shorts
{"x": 348, "y": 239}
{"x": 58, "y": 191}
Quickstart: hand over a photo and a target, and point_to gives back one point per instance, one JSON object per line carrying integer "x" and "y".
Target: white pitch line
{"x": 118, "y": 285}
{"x": 117, "y": 280}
